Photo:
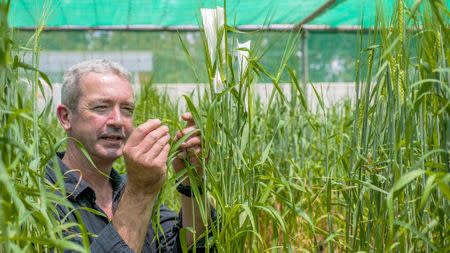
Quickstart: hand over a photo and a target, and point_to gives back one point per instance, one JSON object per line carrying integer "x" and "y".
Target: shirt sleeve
{"x": 169, "y": 239}
{"x": 167, "y": 226}
{"x": 109, "y": 241}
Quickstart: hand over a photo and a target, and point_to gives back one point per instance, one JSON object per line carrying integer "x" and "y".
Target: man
{"x": 96, "y": 111}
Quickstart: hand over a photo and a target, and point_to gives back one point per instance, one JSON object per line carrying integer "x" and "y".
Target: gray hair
{"x": 70, "y": 92}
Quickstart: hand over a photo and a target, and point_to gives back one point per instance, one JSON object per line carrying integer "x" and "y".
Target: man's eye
{"x": 128, "y": 110}
{"x": 100, "y": 108}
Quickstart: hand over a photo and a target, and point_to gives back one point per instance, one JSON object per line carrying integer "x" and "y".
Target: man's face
{"x": 103, "y": 120}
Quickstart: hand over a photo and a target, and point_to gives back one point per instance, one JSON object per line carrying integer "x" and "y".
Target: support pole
{"x": 305, "y": 63}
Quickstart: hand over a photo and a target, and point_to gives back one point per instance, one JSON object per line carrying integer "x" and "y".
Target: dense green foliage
{"x": 27, "y": 143}
{"x": 368, "y": 175}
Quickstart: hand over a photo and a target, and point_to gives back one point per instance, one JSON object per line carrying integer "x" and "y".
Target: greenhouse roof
{"x": 185, "y": 14}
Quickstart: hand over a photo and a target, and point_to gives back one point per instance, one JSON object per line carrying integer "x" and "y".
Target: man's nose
{"x": 115, "y": 117}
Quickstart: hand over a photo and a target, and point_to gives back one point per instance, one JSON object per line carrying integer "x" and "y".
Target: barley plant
{"x": 28, "y": 141}
{"x": 371, "y": 175}
{"x": 367, "y": 175}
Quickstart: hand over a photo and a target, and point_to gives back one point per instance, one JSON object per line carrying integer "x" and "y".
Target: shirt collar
{"x": 76, "y": 186}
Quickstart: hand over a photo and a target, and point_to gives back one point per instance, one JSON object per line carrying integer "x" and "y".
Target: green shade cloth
{"x": 173, "y": 14}
{"x": 186, "y": 13}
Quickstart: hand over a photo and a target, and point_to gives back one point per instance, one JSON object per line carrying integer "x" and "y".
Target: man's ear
{"x": 64, "y": 115}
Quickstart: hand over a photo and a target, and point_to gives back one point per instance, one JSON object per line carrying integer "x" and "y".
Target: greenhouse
{"x": 225, "y": 126}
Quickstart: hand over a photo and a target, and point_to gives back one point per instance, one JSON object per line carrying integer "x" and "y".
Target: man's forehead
{"x": 106, "y": 100}
{"x": 103, "y": 80}
{"x": 101, "y": 76}
{"x": 96, "y": 84}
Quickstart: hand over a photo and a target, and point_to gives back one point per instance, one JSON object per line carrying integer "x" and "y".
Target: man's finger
{"x": 190, "y": 129}
{"x": 151, "y": 138}
{"x": 163, "y": 155}
{"x": 182, "y": 154}
{"x": 185, "y": 131}
{"x": 188, "y": 118}
{"x": 178, "y": 135}
{"x": 191, "y": 142}
{"x": 194, "y": 155}
{"x": 141, "y": 131}
{"x": 157, "y": 148}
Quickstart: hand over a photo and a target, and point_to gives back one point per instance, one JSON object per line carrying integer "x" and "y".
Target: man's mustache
{"x": 113, "y": 133}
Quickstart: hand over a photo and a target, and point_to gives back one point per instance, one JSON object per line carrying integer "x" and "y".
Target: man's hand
{"x": 145, "y": 156}
{"x": 191, "y": 149}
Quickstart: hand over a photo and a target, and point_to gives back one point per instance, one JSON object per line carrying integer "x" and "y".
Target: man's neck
{"x": 96, "y": 176}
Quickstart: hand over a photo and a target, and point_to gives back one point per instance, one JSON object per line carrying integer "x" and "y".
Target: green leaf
{"x": 416, "y": 232}
{"x": 406, "y": 179}
{"x": 429, "y": 186}
{"x": 274, "y": 214}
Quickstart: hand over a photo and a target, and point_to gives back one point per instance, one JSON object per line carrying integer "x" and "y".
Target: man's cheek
{"x": 128, "y": 131}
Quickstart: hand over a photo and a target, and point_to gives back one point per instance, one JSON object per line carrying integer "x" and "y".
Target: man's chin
{"x": 111, "y": 154}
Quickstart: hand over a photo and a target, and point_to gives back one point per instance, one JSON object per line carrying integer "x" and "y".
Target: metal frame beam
{"x": 280, "y": 28}
{"x": 305, "y": 61}
{"x": 316, "y": 13}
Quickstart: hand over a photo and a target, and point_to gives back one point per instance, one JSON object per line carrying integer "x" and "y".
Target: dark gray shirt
{"x": 104, "y": 236}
